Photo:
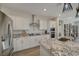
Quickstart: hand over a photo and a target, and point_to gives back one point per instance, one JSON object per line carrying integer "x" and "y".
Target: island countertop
{"x": 59, "y": 48}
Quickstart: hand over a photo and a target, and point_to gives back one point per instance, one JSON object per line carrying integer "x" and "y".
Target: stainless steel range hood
{"x": 33, "y": 23}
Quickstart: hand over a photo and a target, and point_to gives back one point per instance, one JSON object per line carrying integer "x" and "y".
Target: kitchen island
{"x": 55, "y": 47}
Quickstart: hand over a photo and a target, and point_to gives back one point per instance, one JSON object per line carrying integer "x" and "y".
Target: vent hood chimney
{"x": 33, "y": 23}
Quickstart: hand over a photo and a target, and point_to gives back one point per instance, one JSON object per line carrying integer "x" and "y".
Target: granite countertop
{"x": 19, "y": 35}
{"x": 68, "y": 48}
{"x": 59, "y": 48}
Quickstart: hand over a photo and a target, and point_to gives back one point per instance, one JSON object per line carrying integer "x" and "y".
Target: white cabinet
{"x": 17, "y": 44}
{"x": 43, "y": 24}
{"x": 14, "y": 44}
{"x": 26, "y": 42}
{"x": 38, "y": 40}
{"x": 21, "y": 22}
{"x": 34, "y": 41}
{"x": 52, "y": 23}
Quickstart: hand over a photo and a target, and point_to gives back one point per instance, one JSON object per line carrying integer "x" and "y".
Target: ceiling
{"x": 53, "y": 9}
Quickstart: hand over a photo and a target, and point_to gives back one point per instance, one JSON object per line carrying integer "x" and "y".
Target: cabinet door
{"x": 38, "y": 38}
{"x": 26, "y": 43}
{"x": 43, "y": 24}
{"x": 32, "y": 41}
{"x": 15, "y": 44}
{"x": 19, "y": 44}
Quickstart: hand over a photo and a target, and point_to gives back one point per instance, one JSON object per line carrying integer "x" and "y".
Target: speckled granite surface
{"x": 59, "y": 48}
{"x": 69, "y": 48}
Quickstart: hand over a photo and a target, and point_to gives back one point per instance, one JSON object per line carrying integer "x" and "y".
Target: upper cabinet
{"x": 43, "y": 24}
{"x": 21, "y": 23}
{"x": 52, "y": 24}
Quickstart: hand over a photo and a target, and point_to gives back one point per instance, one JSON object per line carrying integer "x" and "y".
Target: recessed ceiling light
{"x": 44, "y": 9}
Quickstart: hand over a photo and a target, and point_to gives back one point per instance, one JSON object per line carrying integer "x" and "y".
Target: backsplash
{"x": 23, "y": 33}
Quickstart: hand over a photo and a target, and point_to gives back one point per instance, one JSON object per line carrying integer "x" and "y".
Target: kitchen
{"x": 38, "y": 26}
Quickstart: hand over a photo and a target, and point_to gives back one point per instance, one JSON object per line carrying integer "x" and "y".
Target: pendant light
{"x": 77, "y": 11}
{"x": 67, "y": 6}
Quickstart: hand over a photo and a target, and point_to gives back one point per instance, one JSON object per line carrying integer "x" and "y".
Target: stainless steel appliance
{"x": 6, "y": 42}
{"x": 52, "y": 30}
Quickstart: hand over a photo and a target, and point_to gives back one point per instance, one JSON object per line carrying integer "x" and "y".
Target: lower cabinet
{"x": 17, "y": 43}
{"x": 25, "y": 43}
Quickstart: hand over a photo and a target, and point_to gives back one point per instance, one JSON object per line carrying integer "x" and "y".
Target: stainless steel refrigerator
{"x": 6, "y": 40}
